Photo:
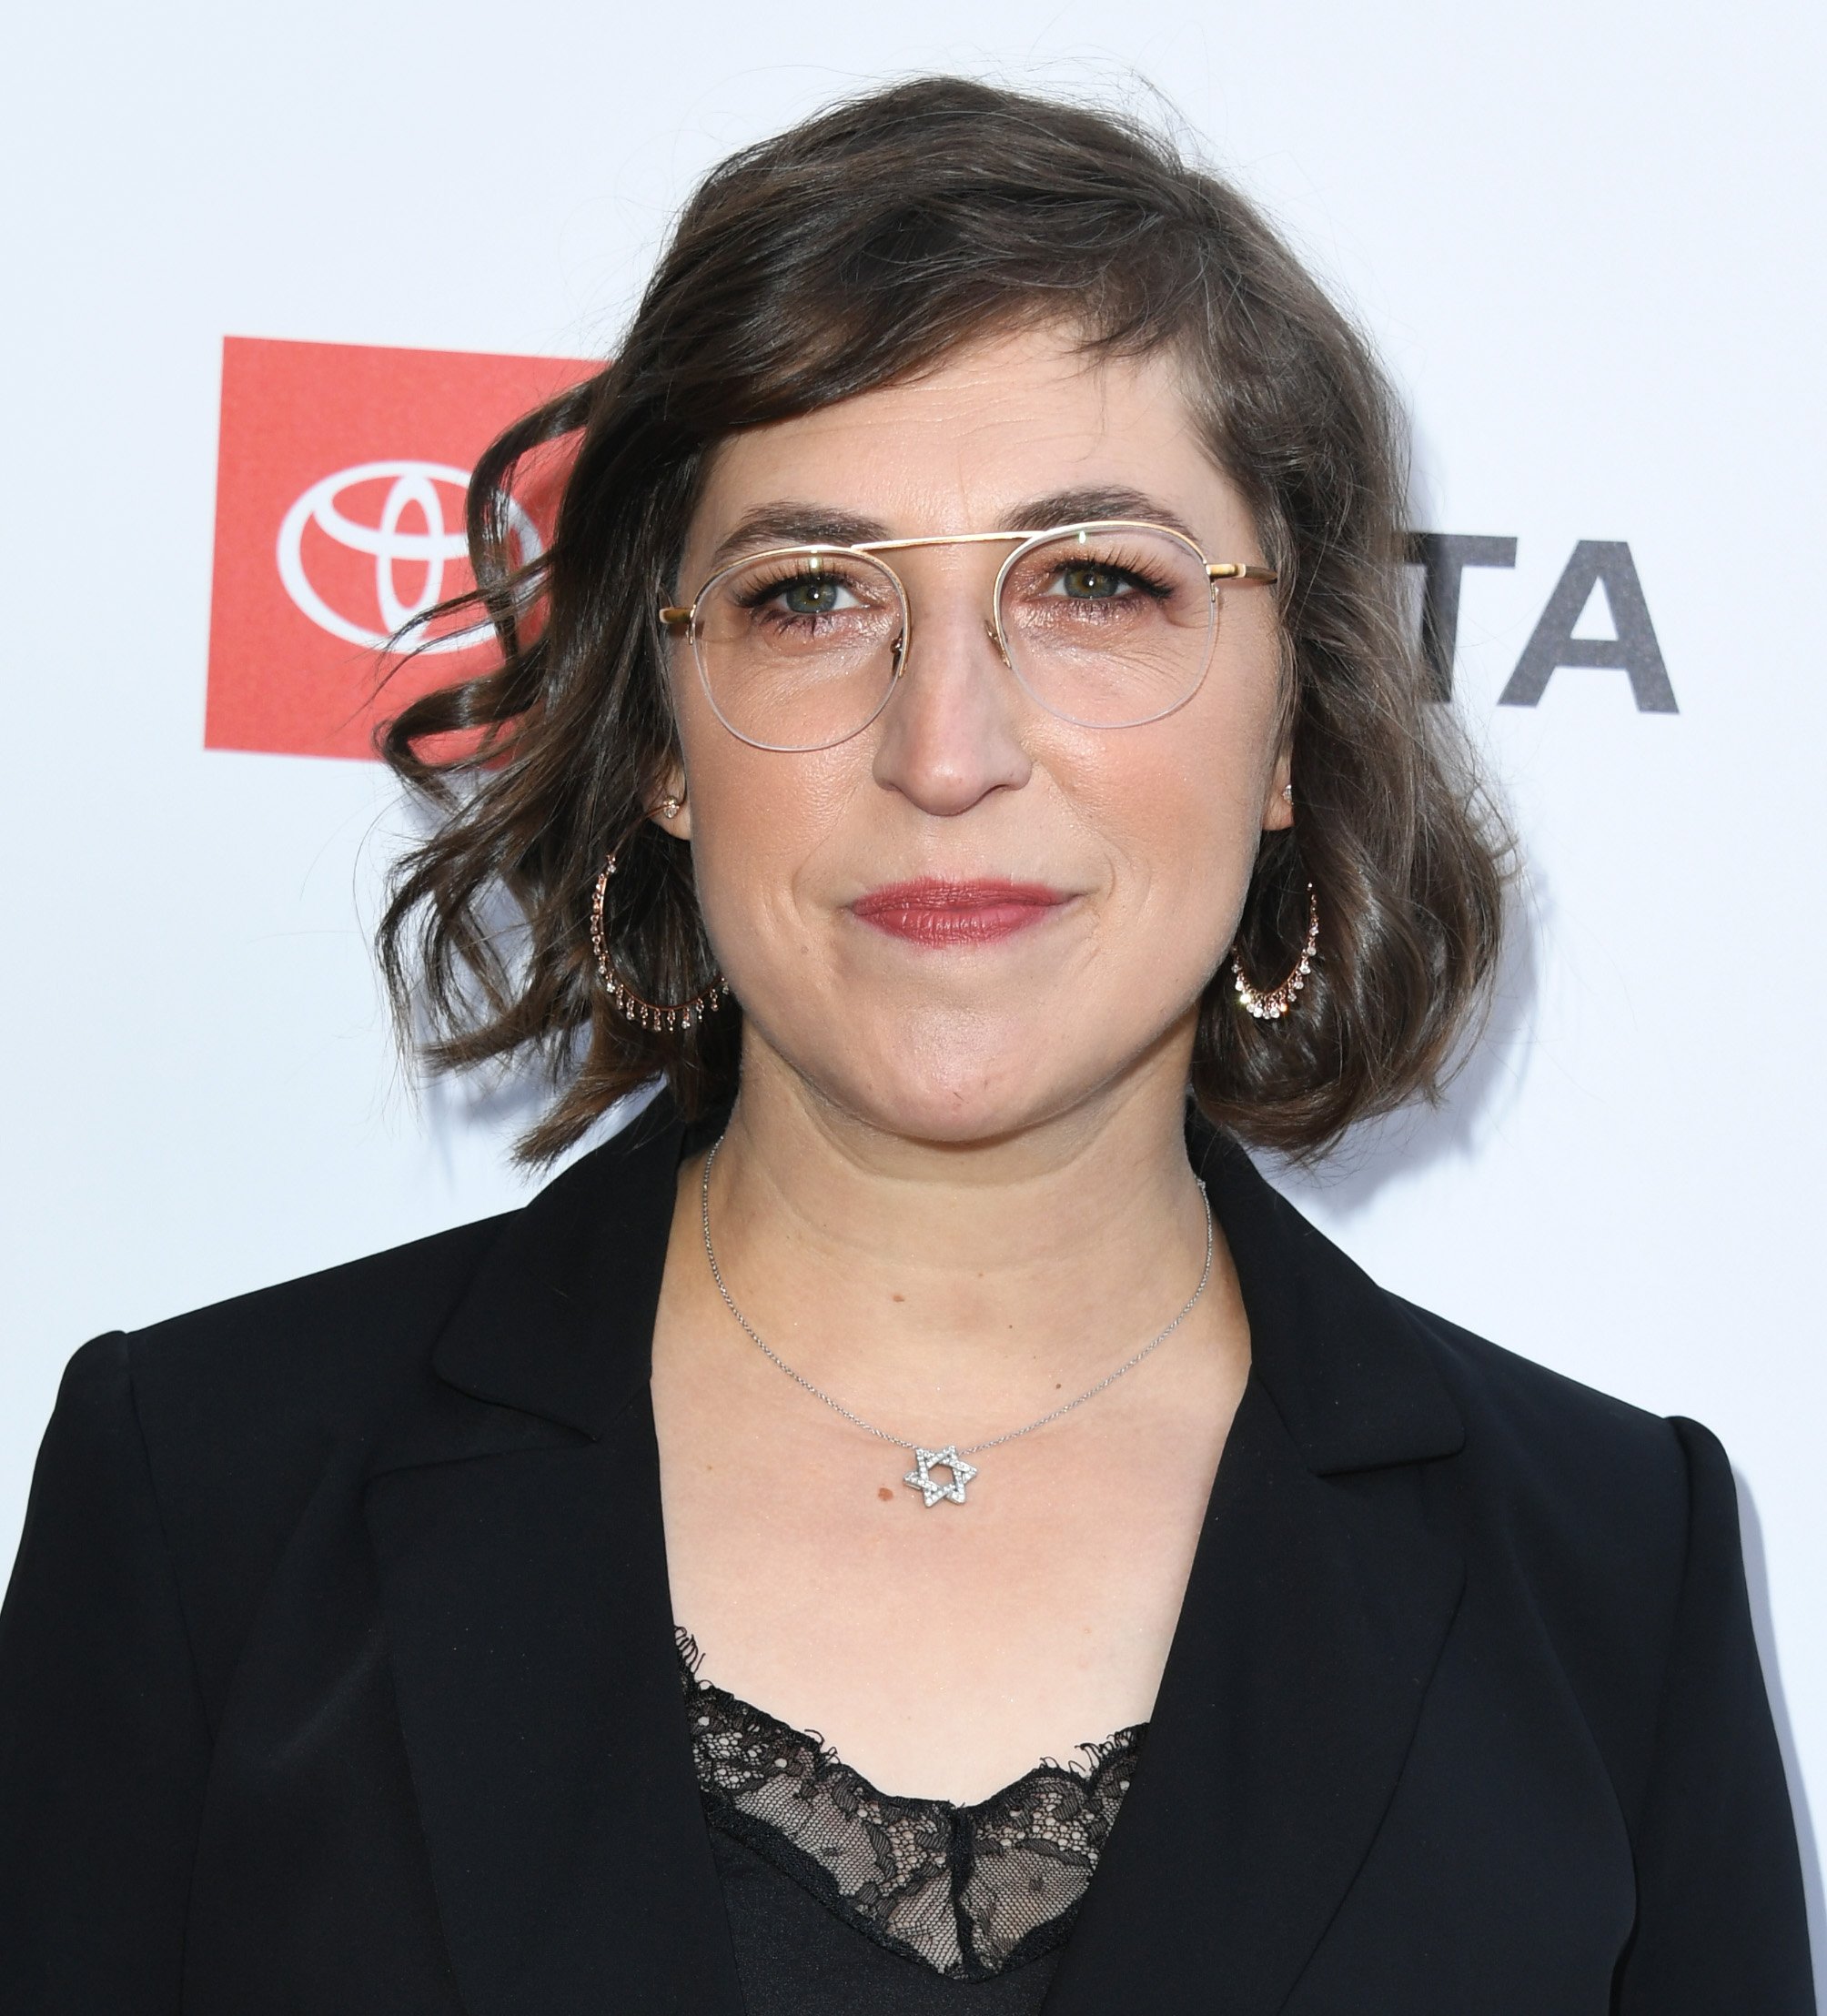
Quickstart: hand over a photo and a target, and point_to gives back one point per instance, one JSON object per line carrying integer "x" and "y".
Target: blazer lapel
{"x": 1315, "y": 1613}
{"x": 515, "y": 1517}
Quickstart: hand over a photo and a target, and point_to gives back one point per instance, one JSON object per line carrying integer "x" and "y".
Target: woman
{"x": 965, "y": 707}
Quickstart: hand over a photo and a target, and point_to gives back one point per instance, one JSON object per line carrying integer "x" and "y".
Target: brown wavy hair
{"x": 851, "y": 252}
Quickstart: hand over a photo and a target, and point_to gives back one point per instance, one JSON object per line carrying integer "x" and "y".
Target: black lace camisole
{"x": 843, "y": 1899}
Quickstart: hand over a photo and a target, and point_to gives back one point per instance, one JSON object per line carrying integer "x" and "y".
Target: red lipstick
{"x": 937, "y": 913}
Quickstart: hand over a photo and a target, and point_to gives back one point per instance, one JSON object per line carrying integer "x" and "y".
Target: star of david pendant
{"x": 928, "y": 1486}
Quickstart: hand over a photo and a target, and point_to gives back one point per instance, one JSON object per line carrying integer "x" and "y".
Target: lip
{"x": 935, "y": 911}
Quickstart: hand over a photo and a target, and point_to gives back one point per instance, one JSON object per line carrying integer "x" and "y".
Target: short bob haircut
{"x": 854, "y": 251}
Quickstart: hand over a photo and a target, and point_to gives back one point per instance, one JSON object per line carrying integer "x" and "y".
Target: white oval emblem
{"x": 412, "y": 487}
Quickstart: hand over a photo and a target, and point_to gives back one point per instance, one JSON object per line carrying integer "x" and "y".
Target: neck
{"x": 991, "y": 1273}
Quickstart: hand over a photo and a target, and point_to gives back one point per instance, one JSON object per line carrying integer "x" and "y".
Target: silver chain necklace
{"x": 951, "y": 1457}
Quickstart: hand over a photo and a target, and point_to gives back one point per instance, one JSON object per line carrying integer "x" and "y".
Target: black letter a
{"x": 1634, "y": 649}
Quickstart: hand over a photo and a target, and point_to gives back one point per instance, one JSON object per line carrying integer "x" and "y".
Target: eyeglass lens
{"x": 1106, "y": 626}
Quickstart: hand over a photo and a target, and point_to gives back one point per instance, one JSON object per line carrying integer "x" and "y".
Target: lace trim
{"x": 969, "y": 1891}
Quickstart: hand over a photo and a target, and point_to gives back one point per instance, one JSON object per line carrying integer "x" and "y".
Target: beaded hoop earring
{"x": 1274, "y": 1004}
{"x": 647, "y": 1014}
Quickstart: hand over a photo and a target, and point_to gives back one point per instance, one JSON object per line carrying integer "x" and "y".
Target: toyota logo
{"x": 413, "y": 489}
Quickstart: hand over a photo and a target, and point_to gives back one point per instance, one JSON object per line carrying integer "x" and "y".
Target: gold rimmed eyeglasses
{"x": 1107, "y": 624}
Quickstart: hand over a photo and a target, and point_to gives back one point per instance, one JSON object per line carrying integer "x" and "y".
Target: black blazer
{"x": 336, "y": 1674}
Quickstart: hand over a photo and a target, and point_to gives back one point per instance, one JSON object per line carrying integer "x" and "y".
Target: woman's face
{"x": 1103, "y": 869}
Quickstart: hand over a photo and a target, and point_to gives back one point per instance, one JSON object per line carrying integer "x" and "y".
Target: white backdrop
{"x": 1588, "y": 240}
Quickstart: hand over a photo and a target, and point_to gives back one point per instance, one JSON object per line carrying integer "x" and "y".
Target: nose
{"x": 950, "y": 735}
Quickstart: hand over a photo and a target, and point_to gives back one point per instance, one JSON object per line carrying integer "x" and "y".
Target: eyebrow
{"x": 1102, "y": 500}
{"x": 785, "y": 522}
{"x": 790, "y": 524}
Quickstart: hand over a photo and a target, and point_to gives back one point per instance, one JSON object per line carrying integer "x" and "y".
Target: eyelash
{"x": 1138, "y": 578}
{"x": 1133, "y": 577}
{"x": 760, "y": 593}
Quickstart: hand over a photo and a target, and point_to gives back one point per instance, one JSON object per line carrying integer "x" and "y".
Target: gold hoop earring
{"x": 647, "y": 1015}
{"x": 1271, "y": 1006}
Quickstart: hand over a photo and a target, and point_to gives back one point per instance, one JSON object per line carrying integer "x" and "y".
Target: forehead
{"x": 998, "y": 423}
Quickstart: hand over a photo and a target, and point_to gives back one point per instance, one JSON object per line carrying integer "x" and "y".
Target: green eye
{"x": 810, "y": 597}
{"x": 1091, "y": 583}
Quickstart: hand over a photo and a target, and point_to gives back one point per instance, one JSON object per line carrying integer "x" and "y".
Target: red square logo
{"x": 340, "y": 487}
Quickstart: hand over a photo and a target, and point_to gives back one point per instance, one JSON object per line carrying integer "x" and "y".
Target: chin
{"x": 955, "y": 1088}
{"x": 945, "y": 1117}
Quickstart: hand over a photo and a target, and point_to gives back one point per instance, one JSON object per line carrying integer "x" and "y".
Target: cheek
{"x": 1182, "y": 845}
{"x": 761, "y": 824}
{"x": 1181, "y": 812}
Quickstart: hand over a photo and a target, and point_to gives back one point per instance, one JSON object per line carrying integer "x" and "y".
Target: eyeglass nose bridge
{"x": 1020, "y": 544}
{"x": 993, "y": 628}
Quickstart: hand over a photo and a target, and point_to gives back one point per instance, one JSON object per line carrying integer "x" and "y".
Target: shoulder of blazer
{"x": 246, "y": 1407}
{"x": 304, "y": 1362}
{"x": 1571, "y": 1507}
{"x": 1582, "y": 1509}
{"x": 331, "y": 1355}
{"x": 1561, "y": 1457}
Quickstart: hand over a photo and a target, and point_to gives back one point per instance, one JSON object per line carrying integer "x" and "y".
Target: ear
{"x": 1278, "y": 808}
{"x": 675, "y": 822}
